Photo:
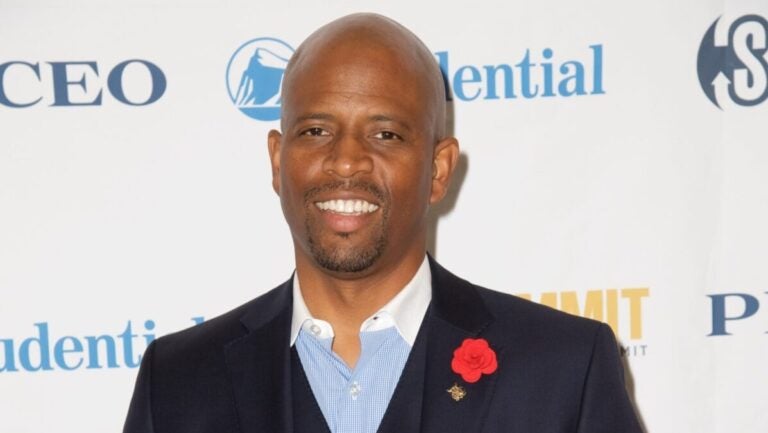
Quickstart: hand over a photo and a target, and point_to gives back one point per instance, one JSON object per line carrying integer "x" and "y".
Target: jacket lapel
{"x": 403, "y": 413}
{"x": 259, "y": 365}
{"x": 457, "y": 312}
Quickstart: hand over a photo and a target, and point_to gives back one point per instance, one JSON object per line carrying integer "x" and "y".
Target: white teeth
{"x": 347, "y": 206}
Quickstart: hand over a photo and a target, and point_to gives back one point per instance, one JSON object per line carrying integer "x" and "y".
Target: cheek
{"x": 417, "y": 178}
{"x": 293, "y": 183}
{"x": 296, "y": 170}
{"x": 410, "y": 184}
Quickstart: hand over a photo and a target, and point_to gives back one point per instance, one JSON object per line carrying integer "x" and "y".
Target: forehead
{"x": 357, "y": 74}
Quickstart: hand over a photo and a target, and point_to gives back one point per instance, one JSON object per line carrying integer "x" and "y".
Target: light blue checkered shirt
{"x": 355, "y": 400}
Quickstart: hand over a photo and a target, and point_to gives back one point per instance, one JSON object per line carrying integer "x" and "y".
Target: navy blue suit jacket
{"x": 556, "y": 373}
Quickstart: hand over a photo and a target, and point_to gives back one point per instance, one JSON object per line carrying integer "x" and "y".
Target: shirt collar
{"x": 405, "y": 311}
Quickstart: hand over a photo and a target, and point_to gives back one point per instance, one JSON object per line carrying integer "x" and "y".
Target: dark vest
{"x": 403, "y": 415}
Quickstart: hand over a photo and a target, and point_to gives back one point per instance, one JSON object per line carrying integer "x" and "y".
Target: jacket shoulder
{"x": 460, "y": 299}
{"x": 502, "y": 305}
{"x": 541, "y": 330}
{"x": 198, "y": 340}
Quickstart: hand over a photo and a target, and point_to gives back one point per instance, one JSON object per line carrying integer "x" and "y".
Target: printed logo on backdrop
{"x": 733, "y": 61}
{"x": 538, "y": 74}
{"x": 133, "y": 82}
{"x": 621, "y": 309}
{"x": 738, "y": 313}
{"x": 46, "y": 349}
{"x": 255, "y": 74}
{"x": 255, "y": 77}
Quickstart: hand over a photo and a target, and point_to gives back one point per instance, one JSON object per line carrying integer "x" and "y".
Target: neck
{"x": 345, "y": 301}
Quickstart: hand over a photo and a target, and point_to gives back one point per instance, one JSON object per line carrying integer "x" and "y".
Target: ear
{"x": 446, "y": 157}
{"x": 273, "y": 140}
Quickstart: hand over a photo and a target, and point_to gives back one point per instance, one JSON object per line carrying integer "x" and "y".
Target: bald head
{"x": 362, "y": 153}
{"x": 365, "y": 49}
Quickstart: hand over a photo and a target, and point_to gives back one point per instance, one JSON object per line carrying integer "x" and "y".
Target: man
{"x": 371, "y": 334}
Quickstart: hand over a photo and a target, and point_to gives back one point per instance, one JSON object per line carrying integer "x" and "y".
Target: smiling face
{"x": 361, "y": 156}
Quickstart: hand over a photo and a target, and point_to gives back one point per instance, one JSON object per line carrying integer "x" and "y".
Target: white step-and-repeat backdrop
{"x": 615, "y": 165}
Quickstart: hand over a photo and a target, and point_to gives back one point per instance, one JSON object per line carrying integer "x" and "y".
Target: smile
{"x": 348, "y": 207}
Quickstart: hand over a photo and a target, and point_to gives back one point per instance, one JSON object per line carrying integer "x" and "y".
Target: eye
{"x": 387, "y": 135}
{"x": 315, "y": 132}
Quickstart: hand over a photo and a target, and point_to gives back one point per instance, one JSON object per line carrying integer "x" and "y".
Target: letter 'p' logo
{"x": 731, "y": 307}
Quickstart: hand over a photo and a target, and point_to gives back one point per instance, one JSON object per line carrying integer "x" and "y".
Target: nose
{"x": 349, "y": 156}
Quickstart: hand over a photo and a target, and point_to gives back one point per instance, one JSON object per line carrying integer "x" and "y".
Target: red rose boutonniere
{"x": 473, "y": 359}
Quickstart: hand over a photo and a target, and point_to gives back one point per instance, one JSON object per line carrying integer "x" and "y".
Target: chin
{"x": 350, "y": 262}
{"x": 347, "y": 259}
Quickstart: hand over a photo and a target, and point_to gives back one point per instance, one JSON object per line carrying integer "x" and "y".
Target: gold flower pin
{"x": 457, "y": 392}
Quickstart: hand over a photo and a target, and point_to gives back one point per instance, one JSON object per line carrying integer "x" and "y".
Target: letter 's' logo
{"x": 255, "y": 77}
{"x": 733, "y": 61}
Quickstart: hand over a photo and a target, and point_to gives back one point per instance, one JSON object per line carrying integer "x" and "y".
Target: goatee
{"x": 352, "y": 259}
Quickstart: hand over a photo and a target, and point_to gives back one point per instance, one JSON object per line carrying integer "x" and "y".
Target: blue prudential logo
{"x": 733, "y": 61}
{"x": 255, "y": 77}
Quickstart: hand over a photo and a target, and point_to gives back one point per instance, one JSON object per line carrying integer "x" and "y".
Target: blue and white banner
{"x": 613, "y": 166}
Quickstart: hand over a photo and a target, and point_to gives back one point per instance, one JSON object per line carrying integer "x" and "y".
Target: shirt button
{"x": 315, "y": 330}
{"x": 354, "y": 390}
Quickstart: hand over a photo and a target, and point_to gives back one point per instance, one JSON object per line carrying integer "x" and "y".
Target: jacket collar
{"x": 259, "y": 363}
{"x": 457, "y": 301}
{"x": 454, "y": 300}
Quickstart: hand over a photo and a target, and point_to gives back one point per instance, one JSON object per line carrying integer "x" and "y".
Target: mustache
{"x": 345, "y": 185}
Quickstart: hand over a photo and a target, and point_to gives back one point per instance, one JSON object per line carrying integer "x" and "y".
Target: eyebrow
{"x": 384, "y": 118}
{"x": 373, "y": 118}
